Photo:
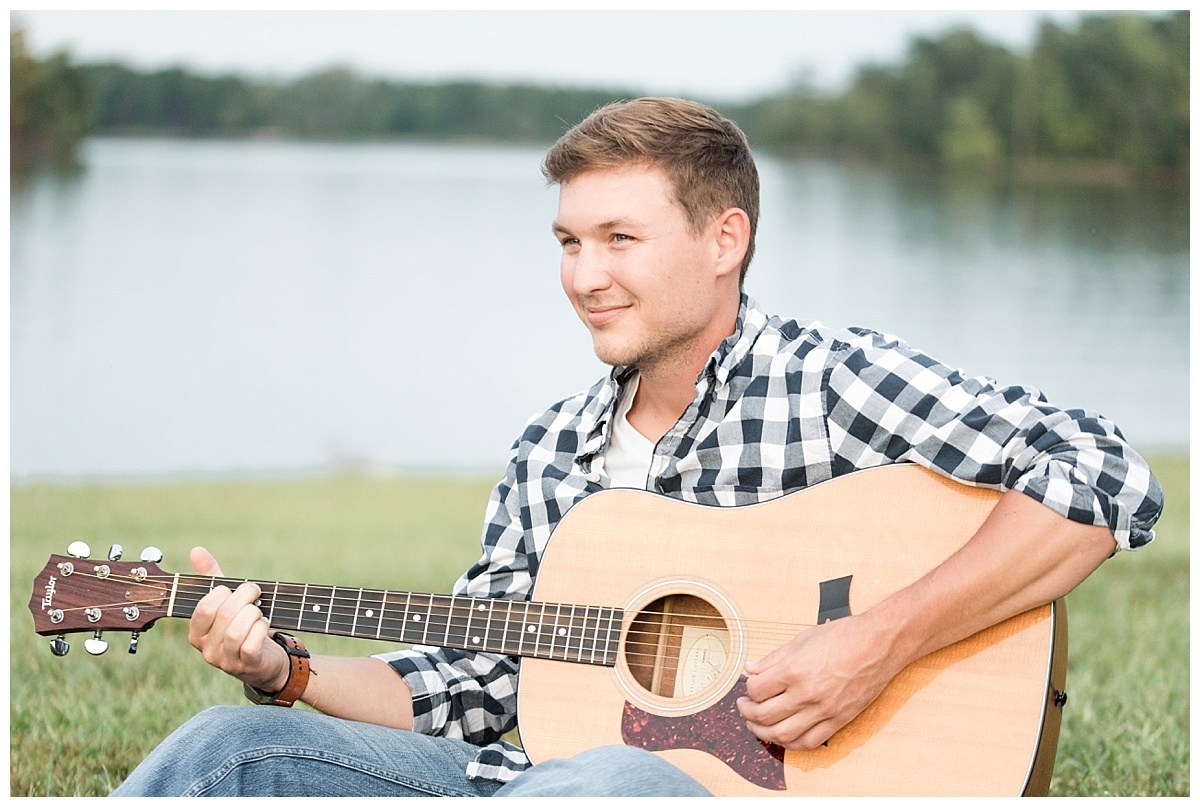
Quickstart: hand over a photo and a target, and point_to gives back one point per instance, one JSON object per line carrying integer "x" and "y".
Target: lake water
{"x": 184, "y": 307}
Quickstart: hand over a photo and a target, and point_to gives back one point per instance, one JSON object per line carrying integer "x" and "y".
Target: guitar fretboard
{"x": 578, "y": 633}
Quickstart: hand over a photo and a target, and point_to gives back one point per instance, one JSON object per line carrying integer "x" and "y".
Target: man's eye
{"x": 621, "y": 237}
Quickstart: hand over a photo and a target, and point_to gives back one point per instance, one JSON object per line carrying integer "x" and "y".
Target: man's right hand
{"x": 232, "y": 634}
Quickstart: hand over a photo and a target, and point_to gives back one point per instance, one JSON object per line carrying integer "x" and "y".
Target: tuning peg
{"x": 96, "y": 646}
{"x": 133, "y": 643}
{"x": 115, "y": 551}
{"x": 78, "y": 549}
{"x": 152, "y": 554}
{"x": 59, "y": 646}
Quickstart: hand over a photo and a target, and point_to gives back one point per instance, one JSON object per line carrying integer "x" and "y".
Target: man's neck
{"x": 658, "y": 407}
{"x": 666, "y": 388}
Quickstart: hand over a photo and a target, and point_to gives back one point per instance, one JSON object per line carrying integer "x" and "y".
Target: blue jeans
{"x": 268, "y": 751}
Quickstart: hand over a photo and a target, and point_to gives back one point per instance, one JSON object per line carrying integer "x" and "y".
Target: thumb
{"x": 203, "y": 562}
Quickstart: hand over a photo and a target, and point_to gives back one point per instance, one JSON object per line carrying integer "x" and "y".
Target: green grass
{"x": 79, "y": 724}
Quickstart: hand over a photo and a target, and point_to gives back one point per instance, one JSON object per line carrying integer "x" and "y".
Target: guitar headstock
{"x": 73, "y": 594}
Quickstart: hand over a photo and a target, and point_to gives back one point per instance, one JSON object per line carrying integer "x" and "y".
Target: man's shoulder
{"x": 570, "y": 413}
{"x": 811, "y": 338}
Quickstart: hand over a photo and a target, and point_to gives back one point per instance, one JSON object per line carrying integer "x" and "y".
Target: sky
{"x": 710, "y": 54}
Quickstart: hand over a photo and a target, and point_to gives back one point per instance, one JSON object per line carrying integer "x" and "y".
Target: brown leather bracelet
{"x": 297, "y": 679}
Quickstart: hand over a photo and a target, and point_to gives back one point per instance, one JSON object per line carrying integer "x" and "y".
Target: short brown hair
{"x": 704, "y": 155}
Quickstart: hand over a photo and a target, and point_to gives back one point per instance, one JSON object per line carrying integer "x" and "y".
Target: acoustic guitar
{"x": 645, "y": 611}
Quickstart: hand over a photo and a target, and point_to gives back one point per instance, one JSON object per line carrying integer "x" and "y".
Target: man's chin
{"x": 613, "y": 356}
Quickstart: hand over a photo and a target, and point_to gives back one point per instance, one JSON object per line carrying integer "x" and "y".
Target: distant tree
{"x": 48, "y": 105}
{"x": 1116, "y": 88}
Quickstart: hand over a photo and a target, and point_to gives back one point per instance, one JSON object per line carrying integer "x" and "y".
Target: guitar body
{"x": 977, "y": 718}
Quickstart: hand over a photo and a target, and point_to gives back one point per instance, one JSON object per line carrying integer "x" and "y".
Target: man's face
{"x": 638, "y": 277}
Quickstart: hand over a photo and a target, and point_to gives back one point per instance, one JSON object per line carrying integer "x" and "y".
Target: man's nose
{"x": 590, "y": 270}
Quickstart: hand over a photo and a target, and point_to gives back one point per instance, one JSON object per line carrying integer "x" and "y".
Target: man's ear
{"x": 732, "y": 229}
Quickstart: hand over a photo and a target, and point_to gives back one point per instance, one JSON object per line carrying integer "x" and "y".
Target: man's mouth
{"x": 601, "y": 315}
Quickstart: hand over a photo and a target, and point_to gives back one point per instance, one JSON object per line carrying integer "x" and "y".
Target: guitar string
{"x": 444, "y": 601}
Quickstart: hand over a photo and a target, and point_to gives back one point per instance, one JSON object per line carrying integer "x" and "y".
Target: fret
{"x": 539, "y": 629}
{"x": 470, "y": 638}
{"x": 556, "y": 630}
{"x": 414, "y": 625}
{"x": 531, "y": 629}
{"x": 520, "y": 626}
{"x": 562, "y": 631}
{"x": 357, "y": 611}
{"x": 511, "y": 634}
{"x": 392, "y": 617}
{"x": 437, "y": 619}
{"x": 303, "y": 602}
{"x": 458, "y": 617}
{"x": 614, "y": 637}
{"x": 528, "y": 632}
{"x": 286, "y": 607}
{"x": 315, "y": 606}
{"x": 368, "y": 615}
{"x": 270, "y": 602}
{"x": 593, "y": 633}
{"x": 482, "y": 640}
{"x": 407, "y": 629}
{"x": 587, "y": 634}
{"x": 329, "y": 611}
{"x": 342, "y": 613}
{"x": 575, "y": 634}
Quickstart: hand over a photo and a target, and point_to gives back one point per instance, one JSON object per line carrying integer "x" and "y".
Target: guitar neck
{"x": 585, "y": 634}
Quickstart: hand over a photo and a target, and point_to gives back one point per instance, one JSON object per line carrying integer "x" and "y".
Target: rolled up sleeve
{"x": 889, "y": 403}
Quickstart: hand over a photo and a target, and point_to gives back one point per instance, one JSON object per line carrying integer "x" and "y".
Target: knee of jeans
{"x": 220, "y": 725}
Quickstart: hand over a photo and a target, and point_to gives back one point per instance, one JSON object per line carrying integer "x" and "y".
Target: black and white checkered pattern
{"x": 780, "y": 406}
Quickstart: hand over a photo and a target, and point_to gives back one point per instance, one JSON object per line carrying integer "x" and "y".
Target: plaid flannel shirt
{"x": 779, "y": 406}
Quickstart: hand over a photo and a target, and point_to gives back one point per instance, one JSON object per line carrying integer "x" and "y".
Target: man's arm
{"x": 233, "y": 635}
{"x": 1024, "y": 555}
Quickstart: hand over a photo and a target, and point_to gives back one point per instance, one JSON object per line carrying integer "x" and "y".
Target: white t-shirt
{"x": 627, "y": 458}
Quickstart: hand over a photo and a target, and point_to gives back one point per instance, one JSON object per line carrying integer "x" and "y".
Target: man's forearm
{"x": 1024, "y": 555}
{"x": 363, "y": 688}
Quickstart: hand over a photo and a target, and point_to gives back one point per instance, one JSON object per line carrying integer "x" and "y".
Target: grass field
{"x": 78, "y": 724}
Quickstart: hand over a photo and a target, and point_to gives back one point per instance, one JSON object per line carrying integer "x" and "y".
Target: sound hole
{"x": 677, "y": 646}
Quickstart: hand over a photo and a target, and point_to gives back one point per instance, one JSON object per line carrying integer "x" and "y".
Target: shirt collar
{"x": 737, "y": 346}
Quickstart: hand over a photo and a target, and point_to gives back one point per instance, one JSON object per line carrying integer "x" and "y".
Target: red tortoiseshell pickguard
{"x": 718, "y": 730}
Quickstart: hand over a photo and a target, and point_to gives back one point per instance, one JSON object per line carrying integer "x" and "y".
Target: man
{"x": 712, "y": 401}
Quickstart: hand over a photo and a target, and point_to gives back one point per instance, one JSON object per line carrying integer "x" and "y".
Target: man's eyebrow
{"x": 604, "y": 226}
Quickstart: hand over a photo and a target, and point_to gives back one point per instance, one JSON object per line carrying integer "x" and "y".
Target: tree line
{"x": 1112, "y": 90}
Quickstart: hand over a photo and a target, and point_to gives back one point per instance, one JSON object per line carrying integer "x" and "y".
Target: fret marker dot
{"x": 370, "y": 612}
{"x": 416, "y": 617}
{"x": 316, "y": 609}
{"x": 474, "y": 640}
{"x": 562, "y": 631}
{"x": 481, "y": 607}
{"x": 531, "y": 628}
